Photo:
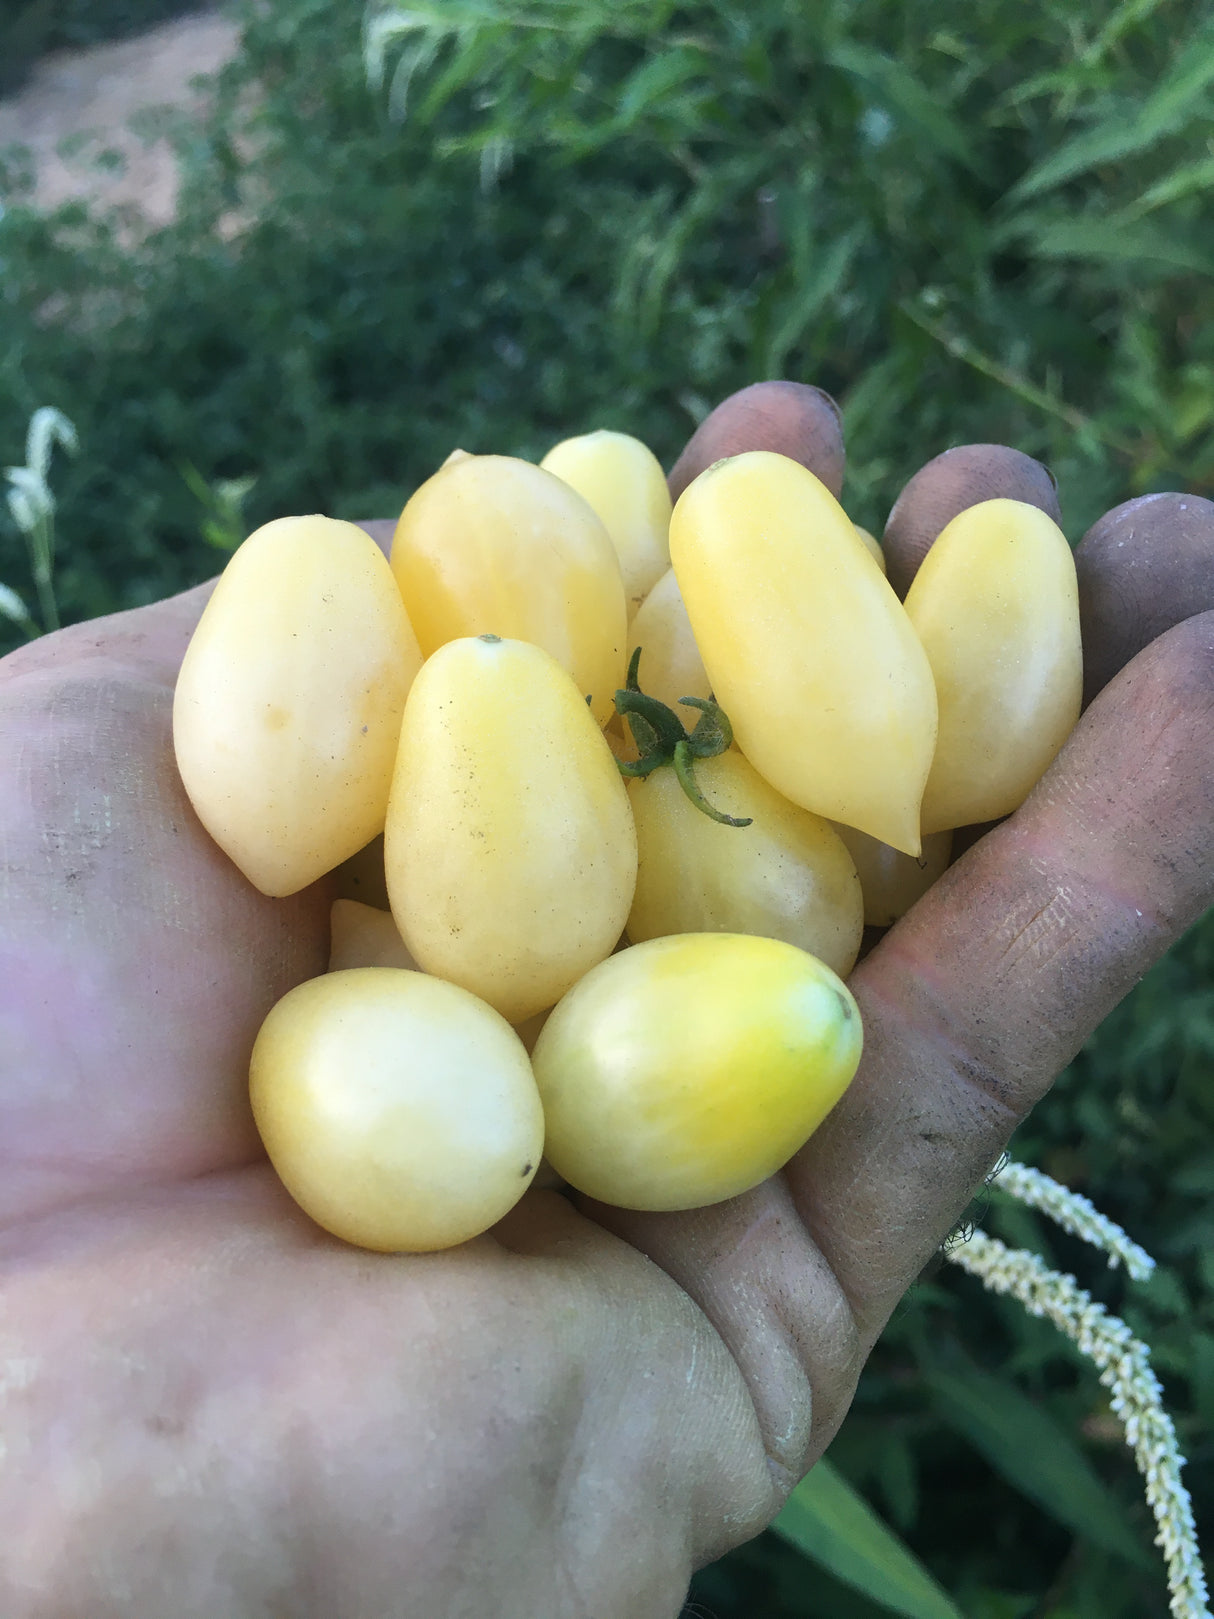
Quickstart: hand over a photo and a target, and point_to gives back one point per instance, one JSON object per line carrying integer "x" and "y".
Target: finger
{"x": 162, "y": 958}
{"x": 1144, "y": 567}
{"x": 960, "y": 478}
{"x": 979, "y": 997}
{"x": 136, "y": 962}
{"x": 752, "y": 1267}
{"x": 788, "y": 418}
{"x": 971, "y": 1005}
{"x": 147, "y": 642}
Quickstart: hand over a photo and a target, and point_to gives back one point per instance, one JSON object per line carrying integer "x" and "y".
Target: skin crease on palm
{"x": 208, "y": 1406}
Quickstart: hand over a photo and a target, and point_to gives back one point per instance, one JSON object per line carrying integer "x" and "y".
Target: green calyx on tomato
{"x": 663, "y": 739}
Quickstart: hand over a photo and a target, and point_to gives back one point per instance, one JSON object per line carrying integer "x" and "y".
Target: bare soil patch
{"x": 88, "y": 98}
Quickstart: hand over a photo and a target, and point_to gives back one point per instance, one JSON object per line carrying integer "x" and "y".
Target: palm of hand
{"x": 544, "y": 1421}
{"x": 139, "y": 1208}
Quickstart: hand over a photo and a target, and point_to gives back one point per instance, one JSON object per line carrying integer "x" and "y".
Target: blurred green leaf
{"x": 1125, "y": 17}
{"x": 1202, "y": 1377}
{"x": 1188, "y": 180}
{"x": 655, "y": 79}
{"x": 1028, "y": 1448}
{"x": 834, "y": 1525}
{"x": 813, "y": 292}
{"x": 893, "y": 84}
{"x": 1179, "y": 96}
{"x": 899, "y": 1481}
{"x": 1115, "y": 239}
{"x": 1197, "y": 1176}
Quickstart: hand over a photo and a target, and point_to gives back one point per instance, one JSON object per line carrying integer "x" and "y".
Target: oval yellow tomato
{"x": 623, "y": 481}
{"x": 509, "y": 848}
{"x": 494, "y": 545}
{"x": 996, "y": 605}
{"x": 890, "y": 880}
{"x": 785, "y": 876}
{"x": 808, "y": 649}
{"x": 872, "y": 545}
{"x": 289, "y": 700}
{"x": 688, "y": 1069}
{"x": 364, "y": 936}
{"x": 671, "y": 666}
{"x": 399, "y": 1111}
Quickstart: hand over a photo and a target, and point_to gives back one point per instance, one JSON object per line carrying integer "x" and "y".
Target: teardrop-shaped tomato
{"x": 809, "y": 651}
{"x": 688, "y": 1069}
{"x": 289, "y": 700}
{"x": 509, "y": 848}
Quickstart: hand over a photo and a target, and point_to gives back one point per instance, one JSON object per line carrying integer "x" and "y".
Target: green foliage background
{"x": 975, "y": 220}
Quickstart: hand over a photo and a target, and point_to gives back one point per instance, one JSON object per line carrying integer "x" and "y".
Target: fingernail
{"x": 823, "y": 395}
{"x": 829, "y": 400}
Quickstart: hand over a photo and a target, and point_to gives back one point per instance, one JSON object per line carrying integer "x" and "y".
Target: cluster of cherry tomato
{"x": 641, "y": 777}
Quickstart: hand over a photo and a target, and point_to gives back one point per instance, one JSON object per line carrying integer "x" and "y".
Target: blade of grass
{"x": 1127, "y": 131}
{"x": 831, "y": 1523}
{"x": 1027, "y": 1447}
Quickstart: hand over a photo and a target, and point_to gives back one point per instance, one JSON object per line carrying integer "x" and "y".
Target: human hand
{"x": 208, "y": 1406}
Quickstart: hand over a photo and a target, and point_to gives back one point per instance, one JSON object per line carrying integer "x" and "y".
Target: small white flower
{"x": 385, "y": 28}
{"x": 497, "y": 155}
{"x": 33, "y": 506}
{"x": 13, "y": 608}
{"x": 47, "y": 428}
{"x": 29, "y": 499}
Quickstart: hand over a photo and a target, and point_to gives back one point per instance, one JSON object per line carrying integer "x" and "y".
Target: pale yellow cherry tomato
{"x": 890, "y": 880}
{"x": 688, "y": 1069}
{"x": 361, "y": 877}
{"x": 364, "y": 936}
{"x": 509, "y": 848}
{"x": 399, "y": 1111}
{"x": 786, "y": 876}
{"x": 289, "y": 700}
{"x": 872, "y": 545}
{"x": 623, "y": 480}
{"x": 996, "y": 605}
{"x": 808, "y": 649}
{"x": 528, "y": 1030}
{"x": 671, "y": 666}
{"x": 494, "y": 545}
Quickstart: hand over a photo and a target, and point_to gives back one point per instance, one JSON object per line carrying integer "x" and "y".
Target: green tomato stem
{"x": 713, "y": 733}
{"x": 683, "y": 770}
{"x": 663, "y": 739}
